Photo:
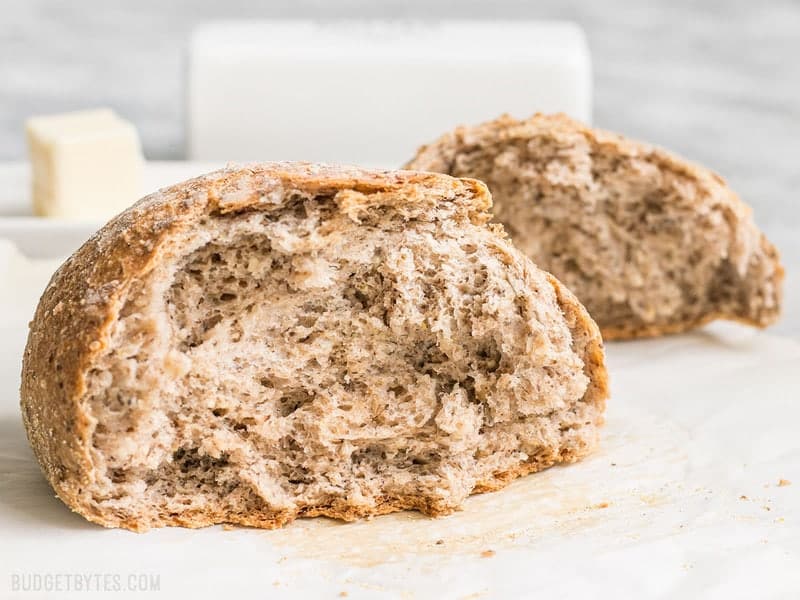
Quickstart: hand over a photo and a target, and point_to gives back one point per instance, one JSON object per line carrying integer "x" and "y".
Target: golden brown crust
{"x": 71, "y": 325}
{"x": 712, "y": 191}
{"x": 581, "y": 323}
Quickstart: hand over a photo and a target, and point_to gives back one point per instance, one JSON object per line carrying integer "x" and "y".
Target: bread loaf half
{"x": 649, "y": 243}
{"x": 285, "y": 340}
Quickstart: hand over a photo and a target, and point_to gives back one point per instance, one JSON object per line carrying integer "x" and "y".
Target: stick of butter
{"x": 85, "y": 165}
{"x": 370, "y": 92}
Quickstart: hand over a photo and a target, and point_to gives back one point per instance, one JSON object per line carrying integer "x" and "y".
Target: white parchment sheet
{"x": 695, "y": 491}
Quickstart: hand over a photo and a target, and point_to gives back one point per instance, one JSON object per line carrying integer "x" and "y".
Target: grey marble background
{"x": 716, "y": 81}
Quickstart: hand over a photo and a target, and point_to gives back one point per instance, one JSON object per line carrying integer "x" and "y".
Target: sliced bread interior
{"x": 649, "y": 243}
{"x": 285, "y": 340}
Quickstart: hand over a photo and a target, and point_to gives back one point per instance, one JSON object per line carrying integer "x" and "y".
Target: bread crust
{"x": 71, "y": 325}
{"x": 439, "y": 156}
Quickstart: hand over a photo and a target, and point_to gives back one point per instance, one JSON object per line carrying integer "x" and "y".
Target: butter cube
{"x": 85, "y": 165}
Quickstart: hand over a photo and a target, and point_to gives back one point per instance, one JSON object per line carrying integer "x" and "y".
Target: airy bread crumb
{"x": 286, "y": 340}
{"x": 649, "y": 243}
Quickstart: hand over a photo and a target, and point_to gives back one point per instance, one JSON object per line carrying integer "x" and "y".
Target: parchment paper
{"x": 695, "y": 491}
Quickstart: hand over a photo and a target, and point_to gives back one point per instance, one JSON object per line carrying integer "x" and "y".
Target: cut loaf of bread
{"x": 649, "y": 243}
{"x": 289, "y": 339}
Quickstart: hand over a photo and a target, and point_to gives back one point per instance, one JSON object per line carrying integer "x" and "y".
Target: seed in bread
{"x": 289, "y": 339}
{"x": 649, "y": 243}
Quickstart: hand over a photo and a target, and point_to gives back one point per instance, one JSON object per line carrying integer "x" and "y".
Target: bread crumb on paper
{"x": 784, "y": 482}
{"x": 488, "y": 553}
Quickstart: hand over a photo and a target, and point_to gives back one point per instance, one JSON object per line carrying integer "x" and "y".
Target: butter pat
{"x": 85, "y": 165}
{"x": 370, "y": 92}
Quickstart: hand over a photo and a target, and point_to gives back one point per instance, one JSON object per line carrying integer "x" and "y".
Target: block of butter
{"x": 85, "y": 165}
{"x": 370, "y": 92}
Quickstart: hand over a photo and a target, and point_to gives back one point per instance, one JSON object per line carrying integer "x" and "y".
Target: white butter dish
{"x": 370, "y": 92}
{"x": 40, "y": 237}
